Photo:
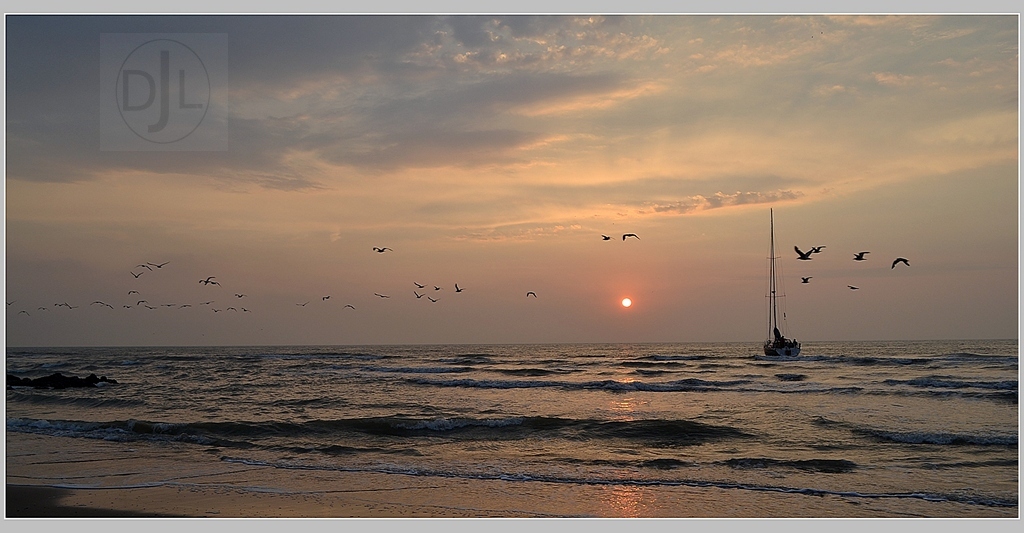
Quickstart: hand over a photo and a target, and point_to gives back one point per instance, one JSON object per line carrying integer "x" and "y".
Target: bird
{"x": 216, "y": 310}
{"x": 816, "y": 249}
{"x": 9, "y": 303}
{"x": 531, "y": 293}
{"x": 140, "y": 302}
{"x": 804, "y": 256}
{"x": 457, "y": 288}
{"x": 860, "y": 256}
{"x": 207, "y": 303}
{"x": 350, "y": 305}
{"x": 231, "y": 309}
{"x": 382, "y": 250}
{"x": 144, "y": 266}
{"x": 244, "y": 310}
{"x": 605, "y": 238}
{"x": 208, "y": 281}
{"x": 418, "y": 295}
{"x": 136, "y": 275}
{"x": 41, "y": 308}
{"x": 325, "y": 298}
{"x": 381, "y": 295}
{"x": 23, "y": 311}
{"x": 418, "y": 285}
{"x": 431, "y": 299}
{"x": 436, "y": 288}
{"x": 126, "y": 306}
{"x": 184, "y": 305}
{"x": 302, "y": 304}
{"x": 101, "y": 303}
{"x": 238, "y": 295}
{"x": 130, "y": 292}
{"x": 624, "y": 235}
{"x": 150, "y": 307}
{"x": 900, "y": 260}
{"x": 852, "y": 288}
{"x": 806, "y": 280}
{"x": 161, "y": 265}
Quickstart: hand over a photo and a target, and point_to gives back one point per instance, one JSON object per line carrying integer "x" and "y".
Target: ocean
{"x": 846, "y": 429}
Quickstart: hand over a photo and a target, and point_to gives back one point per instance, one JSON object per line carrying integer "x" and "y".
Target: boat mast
{"x": 771, "y": 287}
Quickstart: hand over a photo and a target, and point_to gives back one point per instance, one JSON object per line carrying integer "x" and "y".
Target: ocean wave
{"x": 46, "y": 397}
{"x": 938, "y": 438}
{"x": 940, "y": 382}
{"x": 682, "y": 385}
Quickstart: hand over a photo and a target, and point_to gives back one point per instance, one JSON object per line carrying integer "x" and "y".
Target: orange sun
{"x": 626, "y": 302}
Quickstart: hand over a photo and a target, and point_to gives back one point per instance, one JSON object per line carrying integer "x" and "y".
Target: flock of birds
{"x": 859, "y": 256}
{"x": 212, "y": 280}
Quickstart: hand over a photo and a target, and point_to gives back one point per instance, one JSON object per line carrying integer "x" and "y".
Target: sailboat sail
{"x": 777, "y": 344}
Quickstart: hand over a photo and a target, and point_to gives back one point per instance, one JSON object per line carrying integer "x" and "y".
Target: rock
{"x": 57, "y": 381}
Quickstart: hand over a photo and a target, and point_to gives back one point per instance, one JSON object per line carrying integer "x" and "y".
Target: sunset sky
{"x": 494, "y": 151}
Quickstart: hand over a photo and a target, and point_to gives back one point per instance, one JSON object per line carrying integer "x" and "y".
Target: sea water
{"x": 922, "y": 429}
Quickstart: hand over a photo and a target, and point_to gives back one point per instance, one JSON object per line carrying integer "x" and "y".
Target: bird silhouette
{"x": 102, "y": 303}
{"x": 238, "y": 295}
{"x": 208, "y": 280}
{"x": 860, "y": 256}
{"x": 457, "y": 288}
{"x": 418, "y": 285}
{"x": 816, "y": 249}
{"x": 382, "y": 250}
{"x": 23, "y": 311}
{"x": 184, "y": 305}
{"x": 806, "y": 280}
{"x": 605, "y": 238}
{"x": 131, "y": 292}
{"x": 207, "y": 303}
{"x": 381, "y": 295}
{"x": 804, "y": 256}
{"x": 852, "y": 288}
{"x": 900, "y": 260}
{"x": 144, "y": 266}
{"x": 161, "y": 265}
{"x": 244, "y": 310}
{"x": 531, "y": 293}
{"x": 325, "y": 298}
{"x": 140, "y": 302}
{"x": 436, "y": 288}
{"x": 624, "y": 235}
{"x": 231, "y": 309}
{"x": 418, "y": 295}
{"x": 136, "y": 275}
{"x": 9, "y": 303}
{"x": 432, "y": 299}
{"x": 350, "y": 305}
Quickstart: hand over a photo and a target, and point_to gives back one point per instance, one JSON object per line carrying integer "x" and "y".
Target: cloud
{"x": 719, "y": 200}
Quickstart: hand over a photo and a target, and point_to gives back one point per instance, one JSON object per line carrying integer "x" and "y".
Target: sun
{"x": 626, "y": 302}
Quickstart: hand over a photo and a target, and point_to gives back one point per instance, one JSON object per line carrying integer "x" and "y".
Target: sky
{"x": 493, "y": 152}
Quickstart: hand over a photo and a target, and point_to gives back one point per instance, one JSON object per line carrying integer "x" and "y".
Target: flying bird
{"x": 302, "y": 304}
{"x": 457, "y": 288}
{"x": 237, "y": 295}
{"x": 816, "y": 249}
{"x": 381, "y": 295}
{"x": 161, "y": 265}
{"x": 852, "y": 288}
{"x": 325, "y": 298}
{"x": 860, "y": 256}
{"x": 431, "y": 299}
{"x": 208, "y": 280}
{"x": 144, "y": 266}
{"x": 382, "y": 250}
{"x": 130, "y": 292}
{"x": 140, "y": 302}
{"x": 101, "y": 303}
{"x": 605, "y": 238}
{"x": 244, "y": 310}
{"x": 804, "y": 256}
{"x": 9, "y": 303}
{"x": 207, "y": 303}
{"x": 418, "y": 295}
{"x": 23, "y": 311}
{"x": 436, "y": 288}
{"x": 531, "y": 293}
{"x": 806, "y": 280}
{"x": 624, "y": 235}
{"x": 184, "y": 305}
{"x": 900, "y": 260}
{"x": 136, "y": 275}
{"x": 350, "y": 305}
{"x": 418, "y": 285}
{"x": 231, "y": 309}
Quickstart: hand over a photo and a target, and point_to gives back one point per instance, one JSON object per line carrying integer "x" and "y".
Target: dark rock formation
{"x": 57, "y": 381}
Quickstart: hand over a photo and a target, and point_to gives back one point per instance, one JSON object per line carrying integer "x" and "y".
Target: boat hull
{"x": 782, "y": 350}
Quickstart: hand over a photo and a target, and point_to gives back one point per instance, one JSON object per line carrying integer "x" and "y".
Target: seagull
{"x": 531, "y": 293}
{"x": 184, "y": 305}
{"x": 418, "y": 285}
{"x": 382, "y": 250}
{"x": 457, "y": 288}
{"x": 860, "y": 256}
{"x": 804, "y": 256}
{"x": 806, "y": 280}
{"x": 136, "y": 275}
{"x": 816, "y": 249}
{"x": 126, "y": 306}
{"x": 208, "y": 281}
{"x": 302, "y": 305}
{"x": 150, "y": 307}
{"x": 900, "y": 260}
{"x": 144, "y": 266}
{"x": 41, "y": 308}
{"x": 418, "y": 295}
{"x": 101, "y": 303}
{"x": 136, "y": 292}
{"x": 431, "y": 299}
{"x": 215, "y": 310}
{"x": 9, "y": 303}
{"x": 436, "y": 288}
{"x": 237, "y": 295}
{"x": 207, "y": 303}
{"x": 161, "y": 265}
{"x": 605, "y": 238}
{"x": 852, "y": 287}
{"x": 231, "y": 309}
{"x": 381, "y": 295}
{"x": 23, "y": 311}
{"x": 325, "y": 298}
{"x": 140, "y": 302}
{"x": 624, "y": 235}
{"x": 350, "y": 305}
{"x": 244, "y": 310}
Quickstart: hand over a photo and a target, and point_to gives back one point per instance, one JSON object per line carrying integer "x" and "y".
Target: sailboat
{"x": 776, "y": 344}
